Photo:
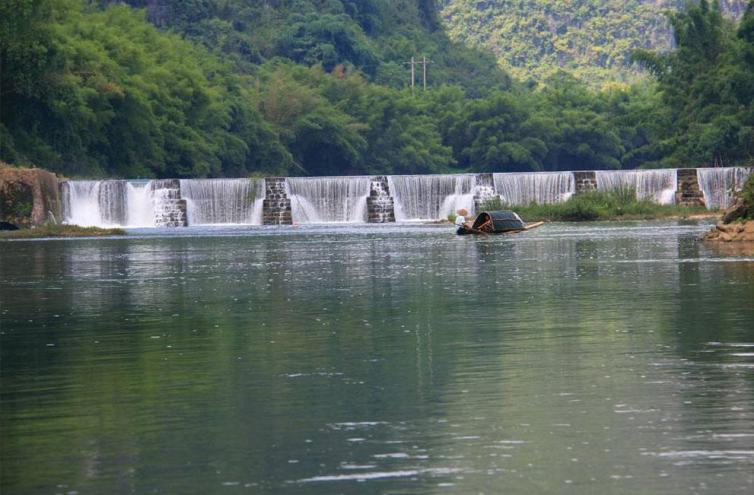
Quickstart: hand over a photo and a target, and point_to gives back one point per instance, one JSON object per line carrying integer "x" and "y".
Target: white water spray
{"x": 719, "y": 185}
{"x": 109, "y": 203}
{"x": 658, "y": 185}
{"x": 534, "y": 187}
{"x": 431, "y": 197}
{"x": 223, "y": 201}
{"x": 328, "y": 199}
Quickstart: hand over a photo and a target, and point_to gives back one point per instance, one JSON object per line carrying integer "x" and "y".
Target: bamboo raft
{"x": 497, "y": 222}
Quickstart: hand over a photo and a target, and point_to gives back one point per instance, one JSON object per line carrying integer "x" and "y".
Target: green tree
{"x": 706, "y": 88}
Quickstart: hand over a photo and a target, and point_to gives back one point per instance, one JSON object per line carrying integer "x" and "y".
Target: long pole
{"x": 413, "y": 74}
{"x": 424, "y": 66}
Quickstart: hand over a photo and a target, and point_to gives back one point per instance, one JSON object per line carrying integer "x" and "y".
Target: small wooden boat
{"x": 497, "y": 222}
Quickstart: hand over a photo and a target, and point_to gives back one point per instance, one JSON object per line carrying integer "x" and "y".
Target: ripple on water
{"x": 376, "y": 475}
{"x": 738, "y": 455}
{"x": 403, "y": 356}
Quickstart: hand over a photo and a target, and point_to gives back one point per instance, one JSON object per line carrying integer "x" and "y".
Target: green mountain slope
{"x": 593, "y": 39}
{"x": 226, "y": 87}
{"x": 378, "y": 37}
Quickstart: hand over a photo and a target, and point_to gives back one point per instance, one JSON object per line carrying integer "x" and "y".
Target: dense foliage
{"x": 707, "y": 88}
{"x": 378, "y": 37}
{"x": 592, "y": 39}
{"x": 88, "y": 92}
{"x": 305, "y": 87}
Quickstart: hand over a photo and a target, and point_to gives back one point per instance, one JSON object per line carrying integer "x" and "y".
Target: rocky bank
{"x": 736, "y": 223}
{"x": 29, "y": 197}
{"x": 728, "y": 232}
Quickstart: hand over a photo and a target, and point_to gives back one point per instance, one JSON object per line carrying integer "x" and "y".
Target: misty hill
{"x": 593, "y": 39}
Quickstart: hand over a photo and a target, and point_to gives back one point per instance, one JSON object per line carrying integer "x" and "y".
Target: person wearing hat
{"x": 464, "y": 227}
{"x": 461, "y": 217}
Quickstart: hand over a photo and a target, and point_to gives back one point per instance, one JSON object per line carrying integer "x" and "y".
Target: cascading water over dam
{"x": 658, "y": 185}
{"x": 431, "y": 197}
{"x": 377, "y": 199}
{"x": 160, "y": 203}
{"x": 109, "y": 203}
{"x": 328, "y": 199}
{"x": 223, "y": 201}
{"x": 719, "y": 184}
{"x": 534, "y": 187}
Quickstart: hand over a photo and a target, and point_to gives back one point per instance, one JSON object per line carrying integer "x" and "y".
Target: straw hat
{"x": 462, "y": 212}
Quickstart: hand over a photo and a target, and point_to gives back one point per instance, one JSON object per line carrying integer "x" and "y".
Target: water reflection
{"x": 569, "y": 359}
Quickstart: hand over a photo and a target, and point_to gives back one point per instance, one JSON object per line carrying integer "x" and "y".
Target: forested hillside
{"x": 212, "y": 88}
{"x": 592, "y": 39}
{"x": 378, "y": 37}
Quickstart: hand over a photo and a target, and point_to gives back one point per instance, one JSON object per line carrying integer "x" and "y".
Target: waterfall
{"x": 170, "y": 202}
{"x": 108, "y": 203}
{"x": 431, "y": 197}
{"x": 658, "y": 185}
{"x": 223, "y": 201}
{"x": 534, "y": 187}
{"x": 140, "y": 204}
{"x": 719, "y": 184}
{"x": 328, "y": 199}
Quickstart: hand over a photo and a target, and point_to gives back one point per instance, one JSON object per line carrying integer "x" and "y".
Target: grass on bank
{"x": 597, "y": 205}
{"x": 53, "y": 230}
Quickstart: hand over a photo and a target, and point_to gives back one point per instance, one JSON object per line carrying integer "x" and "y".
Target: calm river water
{"x": 596, "y": 358}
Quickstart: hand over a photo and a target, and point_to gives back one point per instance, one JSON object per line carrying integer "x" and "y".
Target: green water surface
{"x": 596, "y": 358}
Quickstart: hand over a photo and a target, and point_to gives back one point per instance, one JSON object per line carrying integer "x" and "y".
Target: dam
{"x": 370, "y": 199}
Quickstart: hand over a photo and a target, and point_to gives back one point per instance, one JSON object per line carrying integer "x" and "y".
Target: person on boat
{"x": 461, "y": 218}
{"x": 468, "y": 227}
{"x": 463, "y": 225}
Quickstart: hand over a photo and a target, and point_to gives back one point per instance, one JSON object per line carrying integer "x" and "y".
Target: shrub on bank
{"x": 747, "y": 196}
{"x": 52, "y": 230}
{"x": 596, "y": 205}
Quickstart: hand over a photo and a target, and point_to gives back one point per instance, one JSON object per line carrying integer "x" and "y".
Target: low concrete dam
{"x": 375, "y": 199}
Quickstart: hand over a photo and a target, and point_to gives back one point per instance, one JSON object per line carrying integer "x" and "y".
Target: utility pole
{"x": 413, "y": 63}
{"x": 413, "y": 73}
{"x": 424, "y": 67}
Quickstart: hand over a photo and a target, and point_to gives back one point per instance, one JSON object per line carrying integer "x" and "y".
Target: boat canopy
{"x": 498, "y": 221}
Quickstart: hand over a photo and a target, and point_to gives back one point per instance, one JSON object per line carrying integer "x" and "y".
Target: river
{"x": 589, "y": 358}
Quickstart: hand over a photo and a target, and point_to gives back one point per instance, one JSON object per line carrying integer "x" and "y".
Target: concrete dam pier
{"x": 371, "y": 199}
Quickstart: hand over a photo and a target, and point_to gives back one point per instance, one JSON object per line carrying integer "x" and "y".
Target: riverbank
{"x": 613, "y": 205}
{"x": 728, "y": 232}
{"x": 60, "y": 231}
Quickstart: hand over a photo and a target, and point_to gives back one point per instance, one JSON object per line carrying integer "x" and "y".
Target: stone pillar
{"x": 380, "y": 205}
{"x": 688, "y": 192}
{"x": 169, "y": 209}
{"x": 484, "y": 191}
{"x": 276, "y": 207}
{"x": 585, "y": 181}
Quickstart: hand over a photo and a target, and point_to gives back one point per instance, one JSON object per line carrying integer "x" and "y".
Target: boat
{"x": 497, "y": 222}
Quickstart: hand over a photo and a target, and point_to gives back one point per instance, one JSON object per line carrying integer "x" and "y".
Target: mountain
{"x": 592, "y": 39}
{"x": 233, "y": 88}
